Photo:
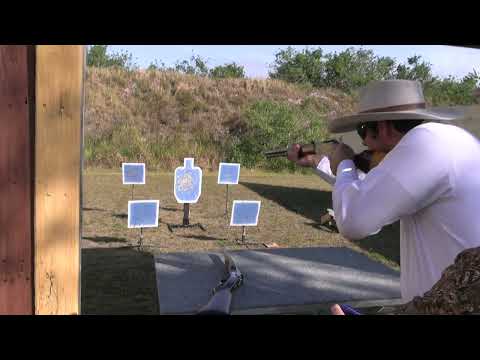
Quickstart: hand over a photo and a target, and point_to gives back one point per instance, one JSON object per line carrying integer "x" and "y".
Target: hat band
{"x": 396, "y": 108}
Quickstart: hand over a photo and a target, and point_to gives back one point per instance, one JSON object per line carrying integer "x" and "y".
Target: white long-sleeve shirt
{"x": 430, "y": 181}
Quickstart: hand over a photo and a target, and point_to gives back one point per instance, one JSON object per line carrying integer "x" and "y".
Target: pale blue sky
{"x": 445, "y": 60}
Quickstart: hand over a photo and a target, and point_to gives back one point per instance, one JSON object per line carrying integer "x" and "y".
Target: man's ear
{"x": 382, "y": 129}
{"x": 386, "y": 131}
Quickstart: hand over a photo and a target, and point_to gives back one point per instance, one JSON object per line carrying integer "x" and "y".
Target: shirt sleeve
{"x": 409, "y": 178}
{"x": 324, "y": 170}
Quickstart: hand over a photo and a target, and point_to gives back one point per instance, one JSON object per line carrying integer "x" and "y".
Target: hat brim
{"x": 349, "y": 123}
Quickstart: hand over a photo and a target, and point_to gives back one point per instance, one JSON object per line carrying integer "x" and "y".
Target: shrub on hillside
{"x": 451, "y": 91}
{"x": 228, "y": 71}
{"x": 195, "y": 66}
{"x": 97, "y": 57}
{"x": 271, "y": 125}
{"x": 350, "y": 69}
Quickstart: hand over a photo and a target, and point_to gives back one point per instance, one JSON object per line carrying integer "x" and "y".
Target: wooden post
{"x": 17, "y": 80}
{"x": 186, "y": 214}
{"x": 58, "y": 149}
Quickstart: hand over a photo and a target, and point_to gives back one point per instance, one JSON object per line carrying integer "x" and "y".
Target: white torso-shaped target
{"x": 187, "y": 186}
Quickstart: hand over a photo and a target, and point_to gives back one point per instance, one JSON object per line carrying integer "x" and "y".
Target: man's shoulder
{"x": 428, "y": 134}
{"x": 434, "y": 128}
{"x": 440, "y": 129}
{"x": 435, "y": 134}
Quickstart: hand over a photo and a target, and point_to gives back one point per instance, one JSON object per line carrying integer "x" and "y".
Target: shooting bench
{"x": 278, "y": 281}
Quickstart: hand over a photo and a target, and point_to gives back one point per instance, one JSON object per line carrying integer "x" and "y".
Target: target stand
{"x": 186, "y": 220}
{"x": 243, "y": 241}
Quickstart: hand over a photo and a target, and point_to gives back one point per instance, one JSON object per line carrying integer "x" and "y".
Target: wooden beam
{"x": 16, "y": 171}
{"x": 58, "y": 132}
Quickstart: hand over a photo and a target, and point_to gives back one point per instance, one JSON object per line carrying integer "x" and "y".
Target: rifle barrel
{"x": 276, "y": 153}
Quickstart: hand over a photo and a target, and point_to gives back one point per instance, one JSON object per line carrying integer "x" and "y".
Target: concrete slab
{"x": 274, "y": 278}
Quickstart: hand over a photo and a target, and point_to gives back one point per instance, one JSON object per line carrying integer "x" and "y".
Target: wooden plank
{"x": 16, "y": 145}
{"x": 58, "y": 132}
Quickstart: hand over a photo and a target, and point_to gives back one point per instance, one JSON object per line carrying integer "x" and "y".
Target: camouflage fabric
{"x": 457, "y": 292}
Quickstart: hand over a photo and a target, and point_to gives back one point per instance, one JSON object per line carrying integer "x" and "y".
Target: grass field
{"x": 119, "y": 279}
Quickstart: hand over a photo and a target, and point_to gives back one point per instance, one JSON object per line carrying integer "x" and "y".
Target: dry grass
{"x": 160, "y": 100}
{"x": 290, "y": 211}
{"x": 117, "y": 279}
{"x": 156, "y": 116}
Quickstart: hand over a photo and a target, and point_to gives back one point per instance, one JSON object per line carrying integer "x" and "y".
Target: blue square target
{"x": 228, "y": 173}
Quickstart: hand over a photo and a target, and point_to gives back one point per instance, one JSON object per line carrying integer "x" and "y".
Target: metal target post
{"x": 133, "y": 185}
{"x": 140, "y": 242}
{"x": 228, "y": 174}
{"x": 243, "y": 240}
{"x": 226, "y": 202}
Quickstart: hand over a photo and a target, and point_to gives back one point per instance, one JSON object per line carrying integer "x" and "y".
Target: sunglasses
{"x": 362, "y": 128}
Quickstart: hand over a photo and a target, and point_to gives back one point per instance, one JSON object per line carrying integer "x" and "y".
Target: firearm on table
{"x": 220, "y": 302}
{"x": 364, "y": 161}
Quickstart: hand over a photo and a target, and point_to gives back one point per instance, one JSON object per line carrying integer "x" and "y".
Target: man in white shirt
{"x": 429, "y": 180}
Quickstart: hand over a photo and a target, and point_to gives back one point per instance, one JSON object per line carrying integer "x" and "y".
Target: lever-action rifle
{"x": 220, "y": 302}
{"x": 364, "y": 161}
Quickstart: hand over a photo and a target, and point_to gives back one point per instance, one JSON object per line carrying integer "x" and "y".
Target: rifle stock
{"x": 219, "y": 303}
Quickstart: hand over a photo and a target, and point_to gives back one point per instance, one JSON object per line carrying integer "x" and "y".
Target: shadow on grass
{"x": 118, "y": 281}
{"x": 312, "y": 205}
{"x": 169, "y": 209}
{"x": 121, "y": 216}
{"x": 106, "y": 239}
{"x": 319, "y": 226}
{"x": 201, "y": 237}
{"x": 92, "y": 209}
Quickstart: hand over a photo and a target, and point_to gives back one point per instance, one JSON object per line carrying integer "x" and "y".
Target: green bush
{"x": 351, "y": 69}
{"x": 346, "y": 70}
{"x": 228, "y": 71}
{"x": 415, "y": 69}
{"x": 271, "y": 125}
{"x": 451, "y": 91}
{"x": 195, "y": 66}
{"x": 97, "y": 56}
{"x": 305, "y": 67}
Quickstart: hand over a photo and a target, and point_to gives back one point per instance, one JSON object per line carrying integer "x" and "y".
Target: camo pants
{"x": 457, "y": 292}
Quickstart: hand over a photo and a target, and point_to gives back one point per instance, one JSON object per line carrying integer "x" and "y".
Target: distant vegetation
{"x": 352, "y": 68}
{"x": 161, "y": 114}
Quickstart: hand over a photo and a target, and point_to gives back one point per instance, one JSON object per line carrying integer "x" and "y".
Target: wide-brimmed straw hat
{"x": 392, "y": 100}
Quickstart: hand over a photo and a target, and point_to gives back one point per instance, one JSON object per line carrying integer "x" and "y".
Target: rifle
{"x": 364, "y": 161}
{"x": 219, "y": 303}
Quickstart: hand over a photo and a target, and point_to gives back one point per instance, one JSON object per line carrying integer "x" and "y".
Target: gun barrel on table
{"x": 221, "y": 299}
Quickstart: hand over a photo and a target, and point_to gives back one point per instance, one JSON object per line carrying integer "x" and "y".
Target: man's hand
{"x": 336, "y": 310}
{"x": 306, "y": 161}
{"x": 341, "y": 152}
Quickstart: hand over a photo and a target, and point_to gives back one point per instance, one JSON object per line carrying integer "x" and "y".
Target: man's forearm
{"x": 348, "y": 203}
{"x": 219, "y": 303}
